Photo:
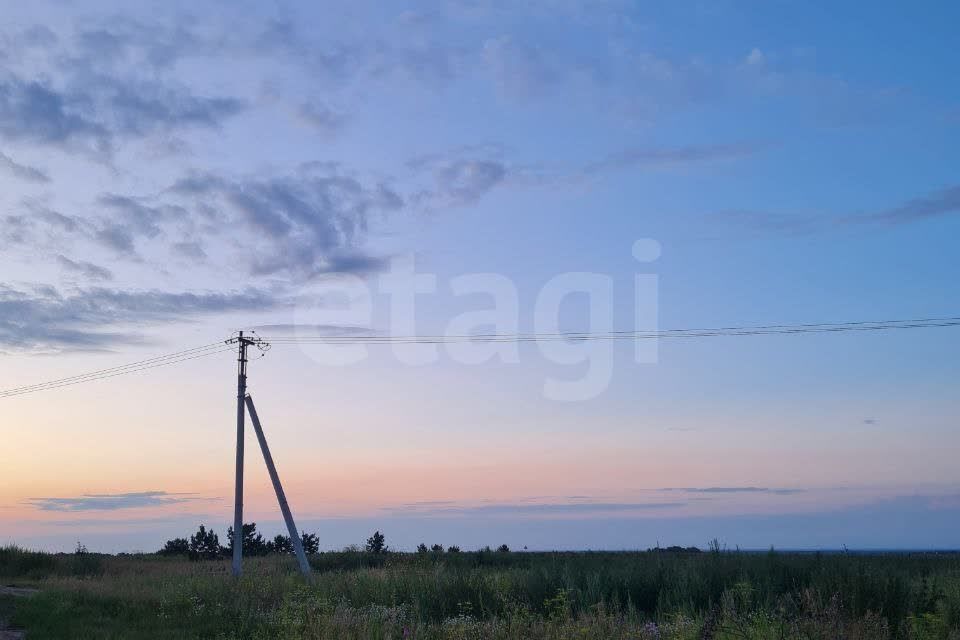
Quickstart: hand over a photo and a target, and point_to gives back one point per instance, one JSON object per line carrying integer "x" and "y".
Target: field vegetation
{"x": 436, "y": 593}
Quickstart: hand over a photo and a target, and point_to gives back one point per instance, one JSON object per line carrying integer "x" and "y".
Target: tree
{"x": 280, "y": 544}
{"x": 311, "y": 543}
{"x": 437, "y": 548}
{"x": 503, "y": 549}
{"x": 175, "y": 547}
{"x": 376, "y": 543}
{"x": 253, "y": 542}
{"x": 453, "y": 549}
{"x": 204, "y": 545}
{"x": 422, "y": 548}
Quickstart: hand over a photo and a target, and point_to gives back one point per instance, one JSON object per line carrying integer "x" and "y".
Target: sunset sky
{"x": 177, "y": 171}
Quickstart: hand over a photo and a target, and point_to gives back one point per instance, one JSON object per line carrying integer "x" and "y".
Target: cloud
{"x": 113, "y": 501}
{"x": 755, "y": 57}
{"x": 38, "y": 225}
{"x": 34, "y": 112}
{"x": 781, "y": 492}
{"x": 464, "y": 176}
{"x": 88, "y": 270}
{"x": 99, "y": 110}
{"x": 668, "y": 157}
{"x": 519, "y": 70}
{"x": 44, "y": 319}
{"x": 532, "y": 509}
{"x": 304, "y": 224}
{"x": 87, "y": 89}
{"x": 130, "y": 218}
{"x": 463, "y": 182}
{"x": 939, "y": 203}
{"x": 55, "y": 219}
{"x": 323, "y": 329}
{"x": 321, "y": 117}
{"x": 192, "y": 250}
{"x": 773, "y": 222}
{"x": 24, "y": 172}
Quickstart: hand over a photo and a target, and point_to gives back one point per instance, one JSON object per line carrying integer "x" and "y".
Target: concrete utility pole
{"x": 242, "y": 344}
{"x": 244, "y": 400}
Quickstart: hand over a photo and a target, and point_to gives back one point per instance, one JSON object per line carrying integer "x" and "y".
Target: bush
{"x": 175, "y": 547}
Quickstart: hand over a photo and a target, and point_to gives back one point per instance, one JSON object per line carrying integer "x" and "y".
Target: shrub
{"x": 175, "y": 547}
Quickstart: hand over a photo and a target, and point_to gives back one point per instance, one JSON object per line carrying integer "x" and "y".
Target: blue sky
{"x": 172, "y": 173}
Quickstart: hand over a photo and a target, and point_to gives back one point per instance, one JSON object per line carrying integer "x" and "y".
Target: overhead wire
{"x": 373, "y": 339}
{"x": 621, "y": 335}
{"x": 133, "y": 367}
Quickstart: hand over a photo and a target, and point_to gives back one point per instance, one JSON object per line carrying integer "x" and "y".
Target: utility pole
{"x": 242, "y": 344}
{"x": 244, "y": 401}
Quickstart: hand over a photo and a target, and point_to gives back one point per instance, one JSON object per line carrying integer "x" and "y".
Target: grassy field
{"x": 641, "y": 595}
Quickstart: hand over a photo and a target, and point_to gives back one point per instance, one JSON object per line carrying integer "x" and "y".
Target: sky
{"x": 175, "y": 172}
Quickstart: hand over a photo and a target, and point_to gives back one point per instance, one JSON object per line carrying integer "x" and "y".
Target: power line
{"x": 133, "y": 367}
{"x": 373, "y": 339}
{"x": 880, "y": 325}
{"x": 133, "y": 364}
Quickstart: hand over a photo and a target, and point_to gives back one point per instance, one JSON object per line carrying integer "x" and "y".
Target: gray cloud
{"x": 782, "y": 492}
{"x": 130, "y": 218}
{"x": 773, "y": 222}
{"x": 306, "y": 224}
{"x": 45, "y": 319}
{"x": 22, "y": 171}
{"x": 520, "y": 70}
{"x": 465, "y": 181}
{"x": 191, "y": 250}
{"x": 69, "y": 224}
{"x": 321, "y": 117}
{"x": 113, "y": 501}
{"x": 458, "y": 182}
{"x": 38, "y": 225}
{"x": 666, "y": 157}
{"x": 88, "y": 270}
{"x": 323, "y": 329}
{"x": 97, "y": 86}
{"x": 32, "y": 111}
{"x": 97, "y": 111}
{"x": 444, "y": 508}
{"x": 938, "y": 203}
{"x": 464, "y": 176}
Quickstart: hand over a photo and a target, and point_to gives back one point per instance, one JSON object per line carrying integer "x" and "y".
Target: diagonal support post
{"x": 281, "y": 498}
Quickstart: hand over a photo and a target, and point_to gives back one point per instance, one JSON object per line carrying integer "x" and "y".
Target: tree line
{"x": 205, "y": 545}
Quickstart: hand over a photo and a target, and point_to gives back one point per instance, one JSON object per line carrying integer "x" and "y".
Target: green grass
{"x": 491, "y": 595}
